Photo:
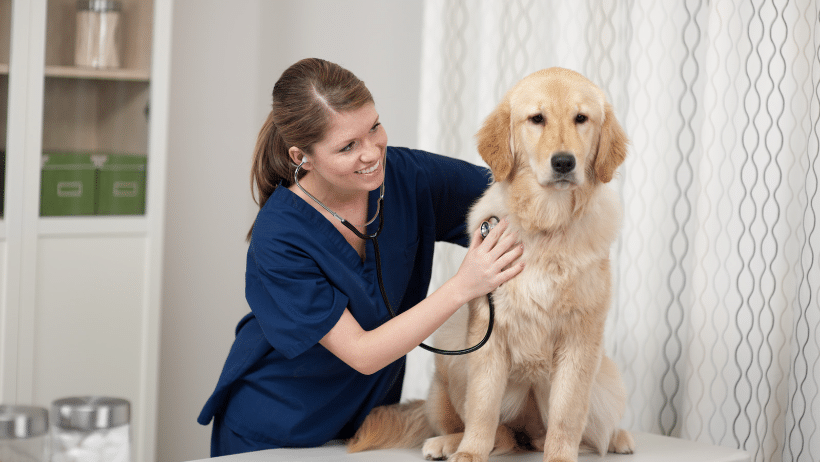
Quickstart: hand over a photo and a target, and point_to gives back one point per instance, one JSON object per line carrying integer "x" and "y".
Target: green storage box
{"x": 121, "y": 184}
{"x": 67, "y": 184}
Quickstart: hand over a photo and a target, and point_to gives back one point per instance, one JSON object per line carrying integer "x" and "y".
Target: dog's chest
{"x": 549, "y": 283}
{"x": 528, "y": 322}
{"x": 537, "y": 309}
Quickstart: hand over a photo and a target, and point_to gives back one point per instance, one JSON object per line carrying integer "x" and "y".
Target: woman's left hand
{"x": 490, "y": 261}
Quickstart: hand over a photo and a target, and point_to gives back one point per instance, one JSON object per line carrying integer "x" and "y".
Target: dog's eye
{"x": 537, "y": 119}
{"x": 581, "y": 118}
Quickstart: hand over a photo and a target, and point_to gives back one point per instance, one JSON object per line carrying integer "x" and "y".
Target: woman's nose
{"x": 373, "y": 149}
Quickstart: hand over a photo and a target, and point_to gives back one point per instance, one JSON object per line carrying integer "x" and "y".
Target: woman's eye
{"x": 375, "y": 127}
{"x": 348, "y": 147}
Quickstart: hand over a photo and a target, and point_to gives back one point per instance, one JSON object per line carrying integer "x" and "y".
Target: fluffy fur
{"x": 542, "y": 381}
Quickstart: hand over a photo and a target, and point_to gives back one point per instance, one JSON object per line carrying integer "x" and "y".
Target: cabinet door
{"x": 94, "y": 299}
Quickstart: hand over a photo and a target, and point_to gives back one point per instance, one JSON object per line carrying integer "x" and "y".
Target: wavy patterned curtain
{"x": 715, "y": 319}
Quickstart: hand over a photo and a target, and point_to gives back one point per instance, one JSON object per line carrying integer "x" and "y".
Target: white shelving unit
{"x": 80, "y": 296}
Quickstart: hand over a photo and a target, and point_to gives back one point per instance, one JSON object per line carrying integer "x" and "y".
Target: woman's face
{"x": 350, "y": 158}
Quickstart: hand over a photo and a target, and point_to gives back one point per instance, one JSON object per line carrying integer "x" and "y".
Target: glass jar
{"x": 97, "y": 42}
{"x": 23, "y": 434}
{"x": 90, "y": 428}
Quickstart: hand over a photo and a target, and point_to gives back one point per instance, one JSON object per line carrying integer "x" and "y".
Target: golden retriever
{"x": 542, "y": 381}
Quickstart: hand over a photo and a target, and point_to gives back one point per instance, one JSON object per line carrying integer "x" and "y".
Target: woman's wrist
{"x": 458, "y": 291}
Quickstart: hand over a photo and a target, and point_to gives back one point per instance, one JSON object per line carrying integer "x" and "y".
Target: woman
{"x": 319, "y": 349}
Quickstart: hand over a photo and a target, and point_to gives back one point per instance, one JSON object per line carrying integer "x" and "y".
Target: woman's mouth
{"x": 371, "y": 169}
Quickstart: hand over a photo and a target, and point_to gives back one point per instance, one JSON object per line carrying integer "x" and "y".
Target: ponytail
{"x": 269, "y": 155}
{"x": 271, "y": 164}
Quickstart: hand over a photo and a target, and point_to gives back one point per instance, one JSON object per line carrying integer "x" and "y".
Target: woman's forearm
{"x": 370, "y": 351}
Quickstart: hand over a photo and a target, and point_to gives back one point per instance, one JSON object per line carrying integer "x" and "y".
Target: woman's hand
{"x": 490, "y": 262}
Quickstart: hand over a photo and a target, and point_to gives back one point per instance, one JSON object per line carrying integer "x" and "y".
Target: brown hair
{"x": 304, "y": 98}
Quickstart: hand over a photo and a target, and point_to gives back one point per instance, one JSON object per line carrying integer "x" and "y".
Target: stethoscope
{"x": 485, "y": 230}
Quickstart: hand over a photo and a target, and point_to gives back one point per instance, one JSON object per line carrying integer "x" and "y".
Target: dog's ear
{"x": 494, "y": 142}
{"x": 612, "y": 147}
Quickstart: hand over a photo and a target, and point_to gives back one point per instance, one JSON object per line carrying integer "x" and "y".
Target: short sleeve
{"x": 290, "y": 296}
{"x": 455, "y": 185}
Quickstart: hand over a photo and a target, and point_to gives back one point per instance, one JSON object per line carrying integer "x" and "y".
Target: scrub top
{"x": 279, "y": 386}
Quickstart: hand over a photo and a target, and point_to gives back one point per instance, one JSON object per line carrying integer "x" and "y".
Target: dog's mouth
{"x": 562, "y": 182}
{"x": 562, "y": 185}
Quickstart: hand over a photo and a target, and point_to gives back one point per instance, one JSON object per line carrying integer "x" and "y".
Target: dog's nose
{"x": 563, "y": 162}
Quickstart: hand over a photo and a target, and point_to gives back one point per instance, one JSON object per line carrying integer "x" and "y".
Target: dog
{"x": 542, "y": 381}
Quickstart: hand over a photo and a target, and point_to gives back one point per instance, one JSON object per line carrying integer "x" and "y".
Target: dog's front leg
{"x": 564, "y": 403}
{"x": 487, "y": 379}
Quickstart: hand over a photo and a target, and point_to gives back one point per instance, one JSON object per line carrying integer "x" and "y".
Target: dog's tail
{"x": 402, "y": 425}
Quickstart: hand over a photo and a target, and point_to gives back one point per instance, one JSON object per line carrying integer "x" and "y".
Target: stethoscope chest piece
{"x": 487, "y": 226}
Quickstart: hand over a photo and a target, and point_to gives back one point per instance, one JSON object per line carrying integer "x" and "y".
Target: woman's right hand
{"x": 491, "y": 261}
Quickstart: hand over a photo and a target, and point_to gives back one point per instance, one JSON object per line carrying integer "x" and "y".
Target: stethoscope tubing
{"x": 373, "y": 237}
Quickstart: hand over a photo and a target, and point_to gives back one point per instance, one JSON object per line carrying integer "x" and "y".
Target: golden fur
{"x": 544, "y": 362}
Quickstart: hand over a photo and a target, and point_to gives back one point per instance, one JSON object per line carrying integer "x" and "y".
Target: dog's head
{"x": 558, "y": 124}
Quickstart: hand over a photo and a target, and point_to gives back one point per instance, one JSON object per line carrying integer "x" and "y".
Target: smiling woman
{"x": 320, "y": 349}
{"x": 230, "y": 56}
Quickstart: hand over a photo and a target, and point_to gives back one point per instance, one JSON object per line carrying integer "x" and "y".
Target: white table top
{"x": 649, "y": 448}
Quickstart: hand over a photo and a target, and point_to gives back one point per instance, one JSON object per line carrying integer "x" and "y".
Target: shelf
{"x": 71, "y": 72}
{"x": 87, "y": 226}
{"x": 92, "y": 225}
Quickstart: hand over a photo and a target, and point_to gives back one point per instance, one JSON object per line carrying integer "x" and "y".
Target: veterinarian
{"x": 319, "y": 350}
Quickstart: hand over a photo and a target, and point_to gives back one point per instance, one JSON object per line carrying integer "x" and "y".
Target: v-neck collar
{"x": 333, "y": 236}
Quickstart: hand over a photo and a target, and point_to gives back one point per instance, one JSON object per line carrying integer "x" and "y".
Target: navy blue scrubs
{"x": 279, "y": 387}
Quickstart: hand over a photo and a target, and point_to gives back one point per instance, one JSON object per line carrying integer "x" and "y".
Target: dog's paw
{"x": 505, "y": 441}
{"x": 466, "y": 457}
{"x": 539, "y": 442}
{"x": 622, "y": 442}
{"x": 441, "y": 447}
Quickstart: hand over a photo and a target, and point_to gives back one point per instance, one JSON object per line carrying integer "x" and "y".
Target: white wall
{"x": 226, "y": 57}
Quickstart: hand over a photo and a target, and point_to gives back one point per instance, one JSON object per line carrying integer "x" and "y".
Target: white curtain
{"x": 715, "y": 318}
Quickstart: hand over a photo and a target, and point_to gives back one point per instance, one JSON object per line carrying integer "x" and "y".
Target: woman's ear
{"x": 494, "y": 142}
{"x": 297, "y": 156}
{"x": 611, "y": 147}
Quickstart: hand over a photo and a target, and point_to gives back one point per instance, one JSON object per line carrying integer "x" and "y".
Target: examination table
{"x": 650, "y": 448}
